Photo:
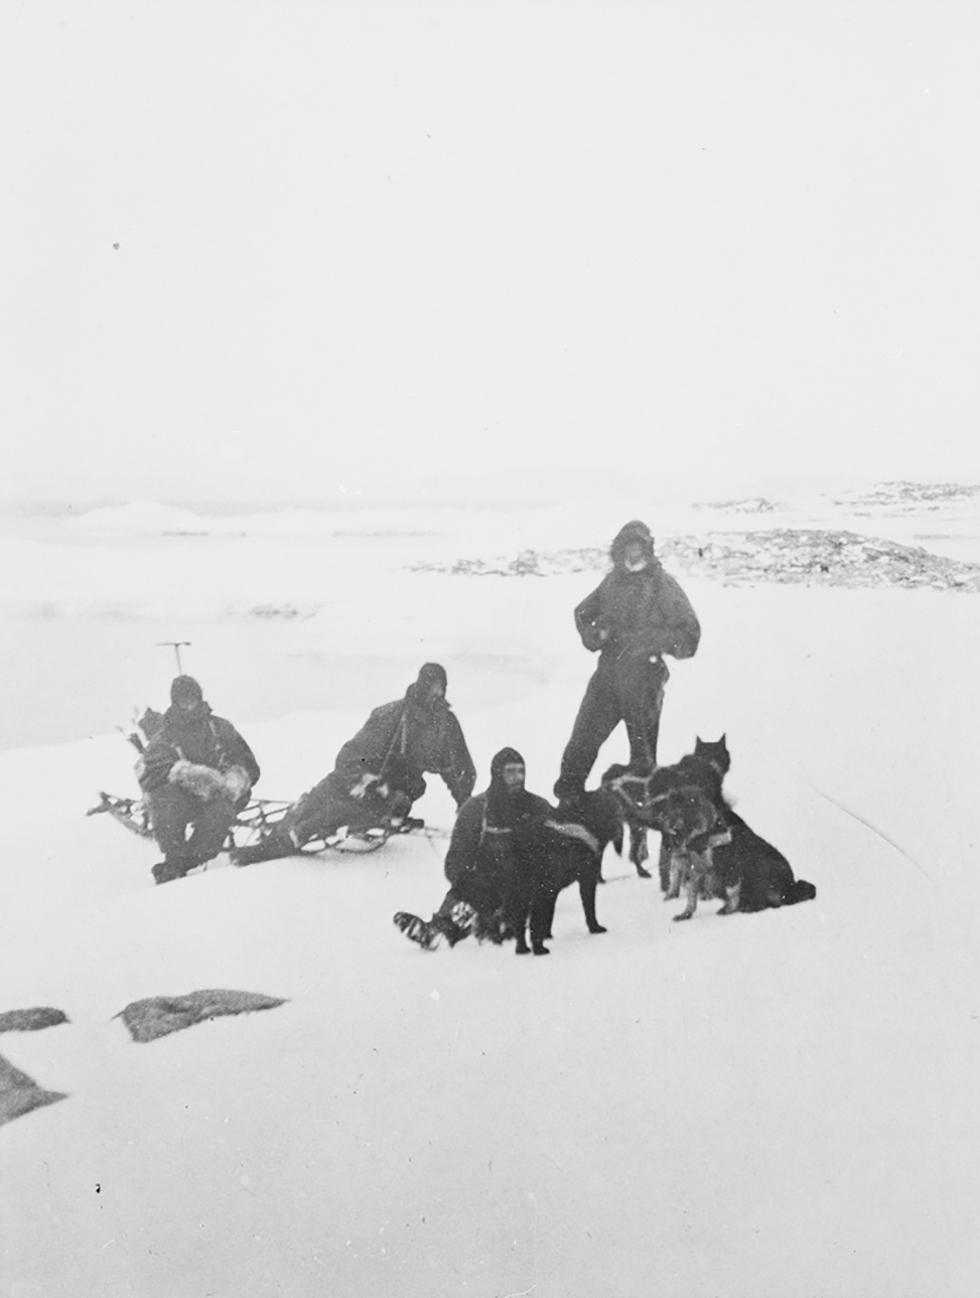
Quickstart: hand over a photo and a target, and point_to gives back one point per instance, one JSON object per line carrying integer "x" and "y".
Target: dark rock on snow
{"x": 41, "y": 1016}
{"x": 19, "y": 1094}
{"x": 158, "y": 1016}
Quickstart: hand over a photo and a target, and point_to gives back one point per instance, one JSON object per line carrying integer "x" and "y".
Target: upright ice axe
{"x": 176, "y": 645}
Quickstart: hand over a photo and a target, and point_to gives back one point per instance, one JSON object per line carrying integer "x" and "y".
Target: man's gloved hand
{"x": 594, "y": 637}
{"x": 368, "y": 783}
{"x": 237, "y": 784}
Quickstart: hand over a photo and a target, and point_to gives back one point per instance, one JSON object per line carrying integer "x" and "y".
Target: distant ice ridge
{"x": 148, "y": 518}
{"x": 573, "y": 518}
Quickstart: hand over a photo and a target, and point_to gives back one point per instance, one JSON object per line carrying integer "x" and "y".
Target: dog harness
{"x": 571, "y": 829}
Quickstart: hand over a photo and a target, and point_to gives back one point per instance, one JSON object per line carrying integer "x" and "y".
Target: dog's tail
{"x": 801, "y": 890}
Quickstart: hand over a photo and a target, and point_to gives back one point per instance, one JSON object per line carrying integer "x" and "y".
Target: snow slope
{"x": 775, "y": 1106}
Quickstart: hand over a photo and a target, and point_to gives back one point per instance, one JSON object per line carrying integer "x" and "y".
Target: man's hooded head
{"x": 506, "y": 797}
{"x": 632, "y": 547}
{"x": 430, "y": 684}
{"x": 186, "y": 694}
{"x": 500, "y": 776}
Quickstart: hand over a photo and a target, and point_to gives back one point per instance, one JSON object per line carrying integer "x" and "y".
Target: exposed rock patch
{"x": 907, "y": 496}
{"x": 751, "y": 505}
{"x": 286, "y": 612}
{"x": 19, "y": 1094}
{"x": 814, "y": 557}
{"x": 42, "y": 1016}
{"x": 158, "y": 1016}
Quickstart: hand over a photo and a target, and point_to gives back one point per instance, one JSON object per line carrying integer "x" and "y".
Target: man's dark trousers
{"x": 172, "y": 809}
{"x": 621, "y": 689}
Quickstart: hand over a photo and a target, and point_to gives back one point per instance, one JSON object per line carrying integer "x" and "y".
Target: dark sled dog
{"x": 690, "y": 825}
{"x": 632, "y": 793}
{"x": 565, "y": 849}
{"x": 738, "y": 865}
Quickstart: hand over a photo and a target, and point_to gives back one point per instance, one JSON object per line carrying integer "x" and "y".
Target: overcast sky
{"x": 278, "y": 249}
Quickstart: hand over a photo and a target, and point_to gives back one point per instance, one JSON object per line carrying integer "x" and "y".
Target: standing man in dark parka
{"x": 634, "y": 617}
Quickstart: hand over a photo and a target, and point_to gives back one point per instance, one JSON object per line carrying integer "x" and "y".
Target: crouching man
{"x": 486, "y": 851}
{"x": 196, "y": 772}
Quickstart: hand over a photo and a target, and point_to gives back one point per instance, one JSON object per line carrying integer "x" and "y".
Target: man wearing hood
{"x": 636, "y": 615}
{"x": 489, "y": 837}
{"x": 196, "y": 772}
{"x": 422, "y": 731}
{"x": 378, "y": 773}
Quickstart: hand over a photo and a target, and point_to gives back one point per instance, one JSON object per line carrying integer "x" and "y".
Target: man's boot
{"x": 174, "y": 867}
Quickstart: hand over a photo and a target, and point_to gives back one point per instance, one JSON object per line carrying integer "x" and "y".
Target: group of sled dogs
{"x": 706, "y": 849}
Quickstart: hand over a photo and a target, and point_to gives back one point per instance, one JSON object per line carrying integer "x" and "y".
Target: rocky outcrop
{"x": 902, "y": 497}
{"x": 42, "y": 1016}
{"x": 158, "y": 1016}
{"x": 750, "y": 505}
{"x": 815, "y": 557}
{"x": 19, "y": 1094}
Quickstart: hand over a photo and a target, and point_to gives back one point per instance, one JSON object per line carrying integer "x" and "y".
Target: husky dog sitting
{"x": 692, "y": 831}
{"x": 739, "y": 865}
{"x": 755, "y": 875}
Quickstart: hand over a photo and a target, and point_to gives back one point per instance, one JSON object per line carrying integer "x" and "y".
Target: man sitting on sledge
{"x": 422, "y": 730}
{"x": 378, "y": 773}
{"x": 197, "y": 772}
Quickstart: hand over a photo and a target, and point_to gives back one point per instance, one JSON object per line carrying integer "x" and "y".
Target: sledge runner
{"x": 421, "y": 730}
{"x": 636, "y": 615}
{"x": 195, "y": 773}
{"x": 489, "y": 839}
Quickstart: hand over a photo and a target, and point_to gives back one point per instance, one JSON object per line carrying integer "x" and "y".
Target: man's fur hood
{"x": 633, "y": 531}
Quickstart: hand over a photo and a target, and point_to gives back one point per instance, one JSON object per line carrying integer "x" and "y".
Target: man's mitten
{"x": 237, "y": 784}
{"x": 594, "y": 637}
{"x": 202, "y": 781}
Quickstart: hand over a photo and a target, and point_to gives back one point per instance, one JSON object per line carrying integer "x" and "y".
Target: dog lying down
{"x": 707, "y": 849}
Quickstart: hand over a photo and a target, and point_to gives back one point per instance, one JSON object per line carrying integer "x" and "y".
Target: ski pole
{"x": 176, "y": 645}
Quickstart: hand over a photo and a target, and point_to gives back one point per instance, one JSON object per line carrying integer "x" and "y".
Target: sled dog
{"x": 565, "y": 849}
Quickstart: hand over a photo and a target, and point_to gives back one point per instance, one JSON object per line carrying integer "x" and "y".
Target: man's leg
{"x": 316, "y": 814}
{"x": 328, "y": 806}
{"x": 598, "y": 716}
{"x": 171, "y": 810}
{"x": 212, "y": 820}
{"x": 641, "y": 692}
{"x": 453, "y": 921}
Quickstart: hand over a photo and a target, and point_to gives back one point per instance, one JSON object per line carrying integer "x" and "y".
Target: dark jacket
{"x": 426, "y": 738}
{"x": 486, "y": 825}
{"x": 198, "y": 737}
{"x": 637, "y": 614}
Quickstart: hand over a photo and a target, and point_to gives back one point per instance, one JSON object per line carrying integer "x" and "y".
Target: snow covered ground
{"x": 771, "y": 1106}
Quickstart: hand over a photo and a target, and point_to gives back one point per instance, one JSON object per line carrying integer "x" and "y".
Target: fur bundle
{"x": 202, "y": 781}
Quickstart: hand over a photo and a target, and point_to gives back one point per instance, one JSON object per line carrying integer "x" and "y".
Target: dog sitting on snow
{"x": 726, "y": 859}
